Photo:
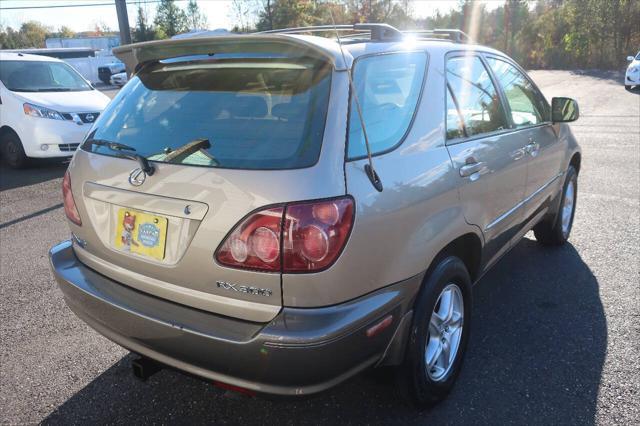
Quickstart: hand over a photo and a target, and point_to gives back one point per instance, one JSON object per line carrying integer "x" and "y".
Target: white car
{"x": 632, "y": 76}
{"x": 46, "y": 108}
{"x": 119, "y": 79}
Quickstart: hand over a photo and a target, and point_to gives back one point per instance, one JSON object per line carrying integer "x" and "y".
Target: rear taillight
{"x": 300, "y": 237}
{"x": 69, "y": 204}
{"x": 255, "y": 243}
{"x": 315, "y": 233}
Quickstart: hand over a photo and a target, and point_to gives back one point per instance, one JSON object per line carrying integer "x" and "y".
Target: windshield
{"x": 638, "y": 57}
{"x": 37, "y": 76}
{"x": 252, "y": 113}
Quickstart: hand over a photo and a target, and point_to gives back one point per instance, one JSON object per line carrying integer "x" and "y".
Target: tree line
{"x": 170, "y": 19}
{"x": 537, "y": 33}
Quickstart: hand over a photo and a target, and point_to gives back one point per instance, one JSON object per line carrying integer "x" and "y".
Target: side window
{"x": 388, "y": 88}
{"x": 455, "y": 128}
{"x": 477, "y": 98}
{"x": 528, "y": 106}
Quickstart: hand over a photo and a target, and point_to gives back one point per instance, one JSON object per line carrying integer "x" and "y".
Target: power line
{"x": 56, "y": 6}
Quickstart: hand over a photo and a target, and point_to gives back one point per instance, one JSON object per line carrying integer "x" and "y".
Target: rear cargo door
{"x": 225, "y": 138}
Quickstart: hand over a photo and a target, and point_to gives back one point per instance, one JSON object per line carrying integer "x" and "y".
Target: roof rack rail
{"x": 379, "y": 32}
{"x": 457, "y": 36}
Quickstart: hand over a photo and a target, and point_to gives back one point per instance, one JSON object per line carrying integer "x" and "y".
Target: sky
{"x": 219, "y": 12}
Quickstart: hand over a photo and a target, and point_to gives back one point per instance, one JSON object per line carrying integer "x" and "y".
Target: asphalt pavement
{"x": 555, "y": 338}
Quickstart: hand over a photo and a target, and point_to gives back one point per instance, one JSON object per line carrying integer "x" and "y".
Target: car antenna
{"x": 368, "y": 168}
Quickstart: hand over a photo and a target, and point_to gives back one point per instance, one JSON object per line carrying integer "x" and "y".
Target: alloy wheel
{"x": 567, "y": 208}
{"x": 445, "y": 333}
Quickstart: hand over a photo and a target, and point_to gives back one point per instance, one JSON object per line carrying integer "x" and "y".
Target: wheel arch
{"x": 468, "y": 248}
{"x": 8, "y": 129}
{"x": 575, "y": 161}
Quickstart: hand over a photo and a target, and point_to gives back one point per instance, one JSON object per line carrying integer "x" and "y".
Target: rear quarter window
{"x": 388, "y": 88}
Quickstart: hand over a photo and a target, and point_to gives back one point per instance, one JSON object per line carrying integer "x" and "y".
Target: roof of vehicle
{"x": 17, "y": 56}
{"x": 293, "y": 42}
{"x": 368, "y": 48}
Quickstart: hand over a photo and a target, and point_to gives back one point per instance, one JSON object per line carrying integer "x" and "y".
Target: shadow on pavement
{"x": 38, "y": 171}
{"x": 614, "y": 75}
{"x": 536, "y": 355}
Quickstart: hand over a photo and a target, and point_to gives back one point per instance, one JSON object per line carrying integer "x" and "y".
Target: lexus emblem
{"x": 137, "y": 177}
{"x": 89, "y": 118}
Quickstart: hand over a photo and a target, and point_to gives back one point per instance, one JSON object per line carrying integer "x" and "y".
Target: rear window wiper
{"x": 179, "y": 154}
{"x": 145, "y": 165}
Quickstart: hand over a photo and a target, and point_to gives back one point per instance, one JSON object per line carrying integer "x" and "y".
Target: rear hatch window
{"x": 232, "y": 113}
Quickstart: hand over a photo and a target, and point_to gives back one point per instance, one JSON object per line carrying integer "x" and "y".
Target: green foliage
{"x": 537, "y": 33}
{"x": 552, "y": 33}
{"x": 196, "y": 20}
{"x": 170, "y": 19}
{"x": 274, "y": 14}
{"x": 143, "y": 30}
{"x": 285, "y": 13}
{"x": 31, "y": 34}
{"x": 66, "y": 32}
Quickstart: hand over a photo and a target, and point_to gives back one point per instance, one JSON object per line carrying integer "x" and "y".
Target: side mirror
{"x": 564, "y": 110}
{"x": 630, "y": 58}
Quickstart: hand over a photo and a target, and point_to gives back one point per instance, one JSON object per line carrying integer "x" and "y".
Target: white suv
{"x": 46, "y": 108}
{"x": 632, "y": 77}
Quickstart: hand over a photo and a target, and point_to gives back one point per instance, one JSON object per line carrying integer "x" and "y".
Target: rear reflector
{"x": 300, "y": 237}
{"x": 69, "y": 204}
{"x": 233, "y": 388}
{"x": 380, "y": 327}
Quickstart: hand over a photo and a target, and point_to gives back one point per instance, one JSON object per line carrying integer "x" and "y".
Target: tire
{"x": 416, "y": 382}
{"x": 556, "y": 232}
{"x": 12, "y": 150}
{"x": 627, "y": 87}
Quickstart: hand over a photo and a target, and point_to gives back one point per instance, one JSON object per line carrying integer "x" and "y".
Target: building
{"x": 99, "y": 44}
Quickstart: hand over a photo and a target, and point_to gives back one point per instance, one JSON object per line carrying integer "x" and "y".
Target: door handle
{"x": 532, "y": 147}
{"x": 471, "y": 168}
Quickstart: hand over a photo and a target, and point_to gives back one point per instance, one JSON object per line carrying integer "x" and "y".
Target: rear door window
{"x": 227, "y": 113}
{"x": 455, "y": 127}
{"x": 476, "y": 96}
{"x": 388, "y": 87}
{"x": 528, "y": 106}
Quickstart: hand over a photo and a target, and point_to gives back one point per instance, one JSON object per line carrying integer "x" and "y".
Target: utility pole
{"x": 123, "y": 22}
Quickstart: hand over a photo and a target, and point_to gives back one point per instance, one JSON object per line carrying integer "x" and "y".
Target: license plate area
{"x": 141, "y": 233}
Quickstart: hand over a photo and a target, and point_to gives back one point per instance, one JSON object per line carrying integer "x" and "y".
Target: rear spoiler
{"x": 134, "y": 55}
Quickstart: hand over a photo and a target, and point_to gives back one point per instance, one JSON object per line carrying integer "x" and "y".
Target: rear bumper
{"x": 301, "y": 351}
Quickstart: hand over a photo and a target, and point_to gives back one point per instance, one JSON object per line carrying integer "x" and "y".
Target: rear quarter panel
{"x": 397, "y": 232}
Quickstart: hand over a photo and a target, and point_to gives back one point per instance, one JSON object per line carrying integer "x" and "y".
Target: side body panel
{"x": 544, "y": 165}
{"x": 398, "y": 231}
{"x": 544, "y": 171}
{"x": 491, "y": 198}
